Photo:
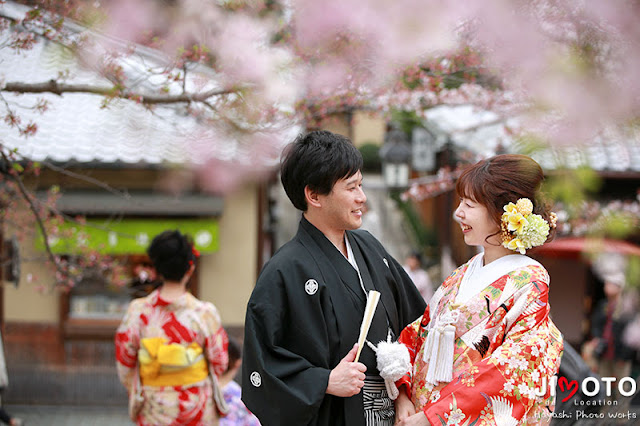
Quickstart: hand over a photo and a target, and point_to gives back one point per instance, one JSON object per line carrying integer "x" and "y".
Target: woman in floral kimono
{"x": 170, "y": 346}
{"x": 485, "y": 349}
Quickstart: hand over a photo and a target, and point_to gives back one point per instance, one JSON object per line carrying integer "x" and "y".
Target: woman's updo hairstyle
{"x": 503, "y": 179}
{"x": 171, "y": 253}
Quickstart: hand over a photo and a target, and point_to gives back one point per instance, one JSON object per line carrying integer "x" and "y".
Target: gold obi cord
{"x": 163, "y": 364}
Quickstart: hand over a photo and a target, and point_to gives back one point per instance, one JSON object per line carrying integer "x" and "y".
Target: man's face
{"x": 342, "y": 208}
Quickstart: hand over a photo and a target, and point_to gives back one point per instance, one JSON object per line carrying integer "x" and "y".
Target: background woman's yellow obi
{"x": 170, "y": 364}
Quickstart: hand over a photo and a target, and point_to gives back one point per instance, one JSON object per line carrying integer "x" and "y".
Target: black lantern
{"x": 396, "y": 157}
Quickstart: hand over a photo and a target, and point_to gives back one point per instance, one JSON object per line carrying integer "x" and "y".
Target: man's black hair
{"x": 318, "y": 159}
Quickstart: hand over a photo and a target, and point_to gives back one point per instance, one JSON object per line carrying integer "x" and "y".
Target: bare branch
{"x": 86, "y": 178}
{"x": 71, "y": 219}
{"x": 55, "y": 87}
{"x": 78, "y": 176}
{"x": 34, "y": 210}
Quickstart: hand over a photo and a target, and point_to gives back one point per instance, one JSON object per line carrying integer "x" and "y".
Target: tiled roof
{"x": 469, "y": 128}
{"x": 76, "y": 128}
{"x": 615, "y": 153}
{"x": 482, "y": 132}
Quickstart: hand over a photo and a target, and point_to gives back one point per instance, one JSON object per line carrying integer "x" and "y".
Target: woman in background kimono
{"x": 485, "y": 349}
{"x": 174, "y": 342}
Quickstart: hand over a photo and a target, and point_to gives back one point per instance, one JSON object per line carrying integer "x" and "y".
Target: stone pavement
{"x": 65, "y": 415}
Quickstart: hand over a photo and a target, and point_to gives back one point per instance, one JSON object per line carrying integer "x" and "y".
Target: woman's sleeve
{"x": 506, "y": 382}
{"x": 216, "y": 343}
{"x": 411, "y": 338}
{"x": 127, "y": 343}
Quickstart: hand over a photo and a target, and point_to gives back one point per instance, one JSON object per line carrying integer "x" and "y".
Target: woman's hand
{"x": 404, "y": 407}
{"x": 418, "y": 419}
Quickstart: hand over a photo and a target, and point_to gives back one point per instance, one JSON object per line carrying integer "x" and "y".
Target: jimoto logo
{"x": 590, "y": 386}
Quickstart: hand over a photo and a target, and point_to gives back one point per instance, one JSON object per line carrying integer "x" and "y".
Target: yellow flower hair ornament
{"x": 521, "y": 229}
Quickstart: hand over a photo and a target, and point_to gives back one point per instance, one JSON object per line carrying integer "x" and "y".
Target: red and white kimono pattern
{"x": 182, "y": 321}
{"x": 505, "y": 347}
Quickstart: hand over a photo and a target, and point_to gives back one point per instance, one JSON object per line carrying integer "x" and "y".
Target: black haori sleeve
{"x": 287, "y": 348}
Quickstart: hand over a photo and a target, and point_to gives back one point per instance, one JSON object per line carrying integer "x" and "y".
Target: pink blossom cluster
{"x": 567, "y": 69}
{"x": 431, "y": 186}
{"x": 33, "y": 218}
{"x": 612, "y": 218}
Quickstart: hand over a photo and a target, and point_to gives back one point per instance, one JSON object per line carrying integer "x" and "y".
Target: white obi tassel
{"x": 438, "y": 349}
{"x": 393, "y": 362}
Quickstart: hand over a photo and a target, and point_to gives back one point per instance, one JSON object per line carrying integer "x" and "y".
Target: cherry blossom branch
{"x": 80, "y": 177}
{"x": 66, "y": 272}
{"x": 36, "y": 214}
{"x": 55, "y": 87}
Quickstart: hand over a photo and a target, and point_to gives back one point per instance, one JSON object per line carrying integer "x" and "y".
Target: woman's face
{"x": 477, "y": 224}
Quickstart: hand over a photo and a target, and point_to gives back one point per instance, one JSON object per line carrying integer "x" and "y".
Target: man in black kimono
{"x": 304, "y": 315}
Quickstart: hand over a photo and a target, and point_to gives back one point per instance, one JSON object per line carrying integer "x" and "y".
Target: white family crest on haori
{"x": 255, "y": 378}
{"x": 311, "y": 287}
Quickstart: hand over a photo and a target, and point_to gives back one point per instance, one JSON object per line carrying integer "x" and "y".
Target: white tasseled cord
{"x": 393, "y": 363}
{"x": 438, "y": 350}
